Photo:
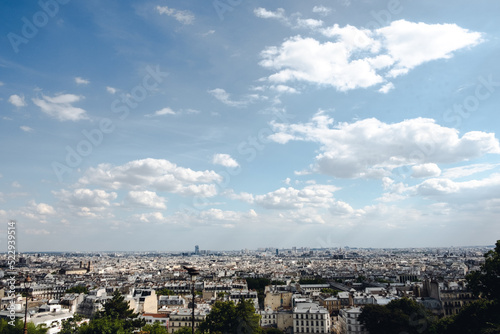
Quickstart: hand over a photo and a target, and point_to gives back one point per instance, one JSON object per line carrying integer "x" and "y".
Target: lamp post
{"x": 192, "y": 272}
{"x": 27, "y": 283}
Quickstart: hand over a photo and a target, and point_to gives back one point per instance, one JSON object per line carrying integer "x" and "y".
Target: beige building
{"x": 182, "y": 318}
{"x": 143, "y": 301}
{"x": 310, "y": 318}
{"x": 277, "y": 300}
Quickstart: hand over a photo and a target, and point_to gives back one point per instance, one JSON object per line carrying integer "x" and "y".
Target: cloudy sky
{"x": 231, "y": 124}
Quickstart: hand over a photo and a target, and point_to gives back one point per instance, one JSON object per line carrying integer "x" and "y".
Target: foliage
{"x": 228, "y": 318}
{"x": 486, "y": 282}
{"x": 78, "y": 289}
{"x": 115, "y": 318}
{"x": 278, "y": 282}
{"x": 330, "y": 291}
{"x": 70, "y": 326}
{"x": 479, "y": 317}
{"x": 164, "y": 292}
{"x": 158, "y": 328}
{"x": 401, "y": 315}
{"x": 360, "y": 279}
{"x": 258, "y": 284}
{"x": 184, "y": 330}
{"x": 312, "y": 281}
{"x": 18, "y": 328}
{"x": 272, "y": 330}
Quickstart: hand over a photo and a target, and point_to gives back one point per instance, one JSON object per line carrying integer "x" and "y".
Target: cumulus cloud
{"x": 458, "y": 193}
{"x": 291, "y": 198}
{"x": 17, "y": 100}
{"x": 279, "y": 14}
{"x": 158, "y": 174}
{"x": 81, "y": 81}
{"x": 425, "y": 170}
{"x": 60, "y": 107}
{"x": 463, "y": 171}
{"x": 88, "y": 198}
{"x": 371, "y": 148}
{"x": 361, "y": 58}
{"x": 26, "y": 128}
{"x": 182, "y": 16}
{"x": 224, "y": 160}
{"x": 146, "y": 198}
{"x": 111, "y": 90}
{"x": 321, "y": 10}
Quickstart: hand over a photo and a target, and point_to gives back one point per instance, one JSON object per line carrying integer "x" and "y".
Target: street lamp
{"x": 27, "y": 284}
{"x": 192, "y": 272}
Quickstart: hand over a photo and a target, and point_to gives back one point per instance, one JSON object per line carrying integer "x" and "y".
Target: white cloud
{"x": 17, "y": 101}
{"x": 224, "y": 160}
{"x": 291, "y": 198}
{"x": 267, "y": 14}
{"x": 224, "y": 97}
{"x": 425, "y": 170}
{"x": 386, "y": 88}
{"x": 26, "y": 128}
{"x": 411, "y": 44}
{"x": 183, "y": 16}
{"x": 81, "y": 81}
{"x": 153, "y": 173}
{"x": 87, "y": 198}
{"x": 309, "y": 23}
{"x": 457, "y": 193}
{"x": 361, "y": 58}
{"x": 153, "y": 217}
{"x": 463, "y": 171}
{"x": 371, "y": 148}
{"x": 321, "y": 10}
{"x": 111, "y": 90}
{"x": 284, "y": 89}
{"x": 306, "y": 59}
{"x": 162, "y": 112}
{"x": 146, "y": 198}
{"x": 60, "y": 107}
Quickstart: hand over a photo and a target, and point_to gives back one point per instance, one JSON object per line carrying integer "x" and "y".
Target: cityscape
{"x": 249, "y": 167}
{"x": 283, "y": 285}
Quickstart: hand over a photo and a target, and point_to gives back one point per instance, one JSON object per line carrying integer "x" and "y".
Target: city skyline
{"x": 242, "y": 124}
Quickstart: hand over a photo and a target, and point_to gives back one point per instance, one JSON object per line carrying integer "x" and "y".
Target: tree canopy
{"x": 228, "y": 318}
{"x": 399, "y": 316}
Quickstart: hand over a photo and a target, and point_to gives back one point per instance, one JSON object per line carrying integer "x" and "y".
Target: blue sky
{"x": 158, "y": 125}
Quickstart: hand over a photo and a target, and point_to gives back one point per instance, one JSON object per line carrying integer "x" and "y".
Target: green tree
{"x": 400, "y": 315}
{"x": 78, "y": 289}
{"x": 481, "y": 316}
{"x": 486, "y": 282}
{"x": 184, "y": 330}
{"x": 157, "y": 328}
{"x": 116, "y": 317}
{"x": 18, "y": 328}
{"x": 70, "y": 326}
{"x": 228, "y": 318}
{"x": 164, "y": 292}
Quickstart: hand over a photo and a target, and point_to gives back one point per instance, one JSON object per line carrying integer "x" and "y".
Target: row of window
{"x": 308, "y": 316}
{"x": 318, "y": 323}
